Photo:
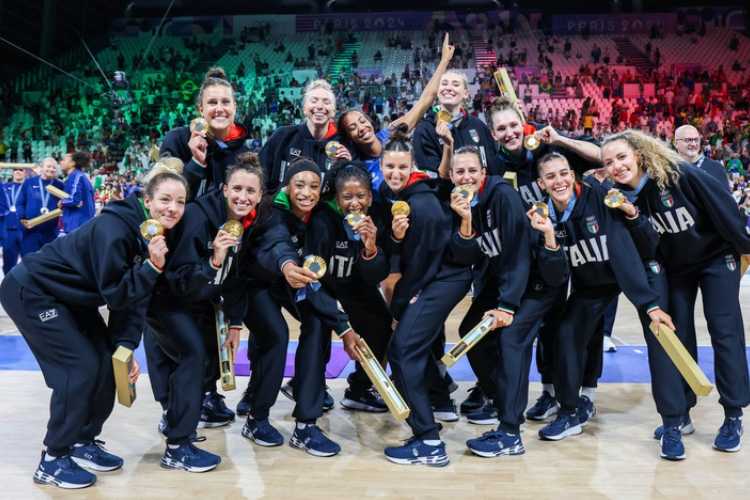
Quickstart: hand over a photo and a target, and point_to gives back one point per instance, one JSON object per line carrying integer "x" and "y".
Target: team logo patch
{"x": 731, "y": 263}
{"x": 48, "y": 315}
{"x": 414, "y": 299}
{"x": 137, "y": 259}
{"x": 666, "y": 199}
{"x": 655, "y": 267}
{"x": 592, "y": 225}
{"x": 342, "y": 244}
{"x": 474, "y": 136}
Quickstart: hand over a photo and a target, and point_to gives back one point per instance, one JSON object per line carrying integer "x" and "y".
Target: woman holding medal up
{"x": 54, "y": 296}
{"x": 202, "y": 272}
{"x": 436, "y": 275}
{"x": 702, "y": 238}
{"x": 515, "y": 281}
{"x": 603, "y": 262}
{"x": 317, "y": 313}
{"x": 210, "y": 145}
{"x": 520, "y": 144}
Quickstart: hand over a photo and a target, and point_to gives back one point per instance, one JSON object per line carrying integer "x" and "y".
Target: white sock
{"x": 48, "y": 457}
{"x": 432, "y": 442}
{"x": 79, "y": 445}
{"x": 173, "y": 446}
{"x": 302, "y": 425}
{"x": 549, "y": 388}
{"x": 589, "y": 392}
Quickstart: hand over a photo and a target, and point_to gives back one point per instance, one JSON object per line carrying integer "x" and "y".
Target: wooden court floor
{"x": 616, "y": 457}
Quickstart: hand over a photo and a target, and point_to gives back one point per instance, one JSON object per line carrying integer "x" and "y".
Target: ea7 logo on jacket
{"x": 295, "y": 152}
{"x": 48, "y": 315}
{"x": 672, "y": 221}
{"x": 588, "y": 250}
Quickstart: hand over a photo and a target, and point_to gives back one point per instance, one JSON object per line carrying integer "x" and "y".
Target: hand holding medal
{"x": 400, "y": 224}
{"x": 153, "y": 231}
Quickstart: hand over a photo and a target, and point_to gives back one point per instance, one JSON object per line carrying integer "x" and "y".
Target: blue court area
{"x": 628, "y": 364}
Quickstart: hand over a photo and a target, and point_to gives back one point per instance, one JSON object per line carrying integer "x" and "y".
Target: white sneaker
{"x": 609, "y": 346}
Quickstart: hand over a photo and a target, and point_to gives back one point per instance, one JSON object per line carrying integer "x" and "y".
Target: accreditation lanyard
{"x": 45, "y": 196}
{"x": 632, "y": 195}
{"x": 15, "y": 193}
{"x": 699, "y": 161}
{"x": 566, "y": 214}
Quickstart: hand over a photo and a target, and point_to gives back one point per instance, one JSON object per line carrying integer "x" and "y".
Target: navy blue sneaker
{"x": 416, "y": 452}
{"x": 562, "y": 426}
{"x": 63, "y": 472}
{"x": 312, "y": 440}
{"x": 729, "y": 435}
{"x": 190, "y": 458}
{"x": 262, "y": 432}
{"x": 586, "y": 411}
{"x": 214, "y": 412}
{"x": 365, "y": 401}
{"x": 243, "y": 407}
{"x": 476, "y": 400}
{"x": 495, "y": 444}
{"x": 671, "y": 444}
{"x": 485, "y": 416}
{"x": 545, "y": 407}
{"x": 328, "y": 402}
{"x": 686, "y": 427}
{"x": 447, "y": 412}
{"x": 93, "y": 456}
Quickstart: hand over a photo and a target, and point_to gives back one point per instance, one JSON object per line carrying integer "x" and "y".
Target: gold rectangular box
{"x": 122, "y": 362}
{"x": 383, "y": 383}
{"x": 226, "y": 364}
{"x": 743, "y": 266}
{"x": 512, "y": 179}
{"x": 469, "y": 341}
{"x": 59, "y": 193}
{"x": 682, "y": 359}
{"x": 52, "y": 214}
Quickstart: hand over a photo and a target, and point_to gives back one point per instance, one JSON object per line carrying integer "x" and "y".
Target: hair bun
{"x": 249, "y": 158}
{"x": 400, "y": 133}
{"x": 501, "y": 101}
{"x": 216, "y": 72}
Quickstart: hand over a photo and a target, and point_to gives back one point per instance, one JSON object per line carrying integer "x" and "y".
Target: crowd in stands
{"x": 121, "y": 135}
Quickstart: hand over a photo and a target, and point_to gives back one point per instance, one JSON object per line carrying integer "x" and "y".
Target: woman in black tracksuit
{"x": 603, "y": 262}
{"x": 702, "y": 238}
{"x": 207, "y": 158}
{"x": 306, "y": 140}
{"x": 355, "y": 267}
{"x": 54, "y": 296}
{"x": 507, "y": 279}
{"x": 509, "y": 128}
{"x": 317, "y": 313}
{"x": 202, "y": 271}
{"x": 434, "y": 279}
{"x": 209, "y": 154}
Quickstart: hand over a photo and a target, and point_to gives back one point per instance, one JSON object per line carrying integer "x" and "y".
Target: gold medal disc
{"x": 443, "y": 116}
{"x": 614, "y": 199}
{"x": 465, "y": 191}
{"x": 151, "y": 228}
{"x": 542, "y": 209}
{"x": 531, "y": 142}
{"x": 234, "y": 227}
{"x": 332, "y": 148}
{"x": 400, "y": 208}
{"x": 355, "y": 218}
{"x": 315, "y": 264}
{"x": 199, "y": 125}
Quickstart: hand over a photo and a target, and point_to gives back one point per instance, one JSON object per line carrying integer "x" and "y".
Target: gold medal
{"x": 614, "y": 199}
{"x": 542, "y": 209}
{"x": 400, "y": 208}
{"x": 199, "y": 125}
{"x": 355, "y": 218}
{"x": 315, "y": 264}
{"x": 151, "y": 228}
{"x": 332, "y": 148}
{"x": 465, "y": 191}
{"x": 531, "y": 142}
{"x": 233, "y": 227}
{"x": 443, "y": 116}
